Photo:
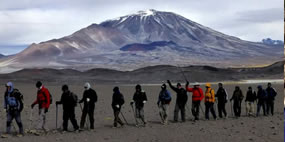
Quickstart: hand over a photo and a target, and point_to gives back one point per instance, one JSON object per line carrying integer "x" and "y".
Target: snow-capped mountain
{"x": 142, "y": 39}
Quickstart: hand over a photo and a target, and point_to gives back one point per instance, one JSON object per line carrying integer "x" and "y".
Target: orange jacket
{"x": 210, "y": 95}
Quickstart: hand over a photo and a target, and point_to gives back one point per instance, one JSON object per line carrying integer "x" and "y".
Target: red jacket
{"x": 43, "y": 98}
{"x": 198, "y": 94}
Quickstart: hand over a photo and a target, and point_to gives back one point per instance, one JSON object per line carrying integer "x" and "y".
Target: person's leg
{"x": 272, "y": 107}
{"x": 197, "y": 109}
{"x": 65, "y": 120}
{"x": 236, "y": 109}
{"x": 247, "y": 109}
{"x": 83, "y": 118}
{"x": 213, "y": 110}
{"x": 19, "y": 122}
{"x": 207, "y": 110}
{"x": 264, "y": 109}
{"x": 118, "y": 118}
{"x": 73, "y": 119}
{"x": 258, "y": 108}
{"x": 91, "y": 117}
{"x": 166, "y": 112}
{"x": 224, "y": 109}
{"x": 220, "y": 109}
{"x": 9, "y": 121}
{"x": 42, "y": 119}
{"x": 176, "y": 111}
{"x": 183, "y": 115}
{"x": 141, "y": 112}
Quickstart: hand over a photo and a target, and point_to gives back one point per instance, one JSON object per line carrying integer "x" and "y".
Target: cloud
{"x": 29, "y": 21}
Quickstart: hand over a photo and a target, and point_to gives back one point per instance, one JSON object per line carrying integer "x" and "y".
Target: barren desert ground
{"x": 261, "y": 129}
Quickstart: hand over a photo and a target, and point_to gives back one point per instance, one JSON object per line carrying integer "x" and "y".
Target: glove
{"x": 226, "y": 101}
{"x": 88, "y": 100}
{"x": 5, "y": 110}
{"x": 157, "y": 103}
{"x": 46, "y": 110}
{"x": 132, "y": 103}
{"x": 168, "y": 81}
{"x": 187, "y": 83}
{"x": 144, "y": 102}
{"x": 32, "y": 106}
{"x": 117, "y": 106}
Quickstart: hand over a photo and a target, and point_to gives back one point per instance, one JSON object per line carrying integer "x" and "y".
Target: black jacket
{"x": 92, "y": 95}
{"x": 181, "y": 94}
{"x": 68, "y": 100}
{"x": 271, "y": 93}
{"x": 250, "y": 96}
{"x": 117, "y": 99}
{"x": 222, "y": 95}
{"x": 261, "y": 95}
{"x": 138, "y": 98}
{"x": 237, "y": 96}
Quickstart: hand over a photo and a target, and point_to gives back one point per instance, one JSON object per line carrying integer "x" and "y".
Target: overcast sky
{"x": 23, "y": 22}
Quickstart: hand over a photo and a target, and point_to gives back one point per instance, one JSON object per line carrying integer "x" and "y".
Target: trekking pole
{"x": 31, "y": 120}
{"x": 182, "y": 72}
{"x": 56, "y": 117}
{"x": 134, "y": 115}
{"x": 124, "y": 118}
{"x": 232, "y": 109}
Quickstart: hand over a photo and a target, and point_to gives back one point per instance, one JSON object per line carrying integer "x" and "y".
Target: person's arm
{"x": 83, "y": 98}
{"x": 171, "y": 86}
{"x": 60, "y": 101}
{"x": 5, "y": 102}
{"x": 95, "y": 97}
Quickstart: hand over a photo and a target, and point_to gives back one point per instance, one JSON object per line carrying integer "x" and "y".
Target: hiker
{"x": 139, "y": 99}
{"x": 69, "y": 102}
{"x": 44, "y": 101}
{"x": 209, "y": 101}
{"x": 237, "y": 97}
{"x": 181, "y": 101}
{"x": 13, "y": 105}
{"x": 261, "y": 97}
{"x": 197, "y": 97}
{"x": 249, "y": 100}
{"x": 89, "y": 99}
{"x": 117, "y": 102}
{"x": 163, "y": 102}
{"x": 222, "y": 97}
{"x": 271, "y": 93}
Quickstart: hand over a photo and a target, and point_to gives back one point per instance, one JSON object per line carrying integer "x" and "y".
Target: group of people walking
{"x": 13, "y": 104}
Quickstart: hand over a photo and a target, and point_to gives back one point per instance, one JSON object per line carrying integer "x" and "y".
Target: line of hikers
{"x": 13, "y": 104}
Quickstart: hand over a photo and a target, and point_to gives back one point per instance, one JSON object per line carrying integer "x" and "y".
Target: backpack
{"x": 12, "y": 101}
{"x": 74, "y": 98}
{"x": 50, "y": 97}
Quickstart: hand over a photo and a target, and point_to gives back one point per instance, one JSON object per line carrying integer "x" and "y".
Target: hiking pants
{"x": 140, "y": 113}
{"x": 69, "y": 114}
{"x": 195, "y": 109}
{"x": 249, "y": 108}
{"x": 222, "y": 109}
{"x": 270, "y": 107}
{"x": 42, "y": 119}
{"x": 261, "y": 104}
{"x": 117, "y": 118}
{"x": 181, "y": 108}
{"x": 14, "y": 114}
{"x": 210, "y": 107}
{"x": 163, "y": 112}
{"x": 237, "y": 108}
{"x": 90, "y": 111}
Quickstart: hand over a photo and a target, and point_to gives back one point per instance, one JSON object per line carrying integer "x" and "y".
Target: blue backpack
{"x": 12, "y": 101}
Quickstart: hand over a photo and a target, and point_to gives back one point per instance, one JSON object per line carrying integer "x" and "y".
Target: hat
{"x": 64, "y": 87}
{"x": 9, "y": 84}
{"x": 208, "y": 85}
{"x": 87, "y": 86}
{"x": 138, "y": 87}
{"x": 39, "y": 84}
{"x": 196, "y": 84}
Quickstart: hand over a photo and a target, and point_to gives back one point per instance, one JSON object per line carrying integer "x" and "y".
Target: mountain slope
{"x": 144, "y": 39}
